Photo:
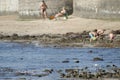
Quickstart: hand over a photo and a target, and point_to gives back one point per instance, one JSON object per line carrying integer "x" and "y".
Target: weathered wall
{"x": 31, "y": 8}
{"x": 97, "y": 8}
{"x": 83, "y": 8}
{"x": 28, "y": 8}
{"x": 8, "y": 6}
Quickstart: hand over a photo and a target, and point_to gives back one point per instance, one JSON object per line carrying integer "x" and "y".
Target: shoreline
{"x": 72, "y": 40}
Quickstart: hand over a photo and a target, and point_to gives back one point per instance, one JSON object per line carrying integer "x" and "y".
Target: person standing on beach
{"x": 43, "y": 8}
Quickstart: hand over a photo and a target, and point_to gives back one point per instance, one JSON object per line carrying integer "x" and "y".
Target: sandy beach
{"x": 12, "y": 24}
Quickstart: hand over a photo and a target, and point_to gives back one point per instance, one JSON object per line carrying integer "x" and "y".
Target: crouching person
{"x": 93, "y": 35}
{"x": 111, "y": 36}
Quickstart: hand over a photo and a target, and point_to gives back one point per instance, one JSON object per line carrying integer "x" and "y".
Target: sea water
{"x": 29, "y": 57}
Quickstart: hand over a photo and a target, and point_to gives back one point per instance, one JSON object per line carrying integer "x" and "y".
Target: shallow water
{"x": 28, "y": 57}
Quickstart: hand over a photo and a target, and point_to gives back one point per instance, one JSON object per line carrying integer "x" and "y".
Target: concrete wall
{"x": 83, "y": 8}
{"x": 28, "y": 8}
{"x": 31, "y": 8}
{"x": 8, "y": 6}
{"x": 105, "y": 9}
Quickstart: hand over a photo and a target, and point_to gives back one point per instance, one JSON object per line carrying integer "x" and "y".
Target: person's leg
{"x": 58, "y": 15}
{"x": 90, "y": 40}
{"x": 45, "y": 14}
{"x": 111, "y": 37}
{"x": 42, "y": 13}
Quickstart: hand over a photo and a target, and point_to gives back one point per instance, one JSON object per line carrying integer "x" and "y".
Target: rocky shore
{"x": 85, "y": 73}
{"x": 64, "y": 40}
{"x": 110, "y": 72}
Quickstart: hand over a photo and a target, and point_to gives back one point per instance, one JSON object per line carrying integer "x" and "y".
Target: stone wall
{"x": 8, "y": 6}
{"x": 31, "y": 8}
{"x": 105, "y": 9}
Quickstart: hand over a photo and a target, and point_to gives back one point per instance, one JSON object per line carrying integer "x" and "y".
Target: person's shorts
{"x": 92, "y": 37}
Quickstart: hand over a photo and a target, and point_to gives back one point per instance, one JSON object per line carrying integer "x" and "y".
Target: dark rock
{"x": 34, "y": 37}
{"x": 1, "y": 36}
{"x": 22, "y": 79}
{"x": 62, "y": 75}
{"x": 41, "y": 75}
{"x": 97, "y": 59}
{"x": 90, "y": 51}
{"x": 116, "y": 32}
{"x": 6, "y": 37}
{"x": 21, "y": 58}
{"x": 108, "y": 65}
{"x": 48, "y": 70}
{"x": 86, "y": 68}
{"x": 14, "y": 36}
{"x": 77, "y": 61}
{"x": 59, "y": 71}
{"x": 66, "y": 61}
{"x": 69, "y": 70}
{"x": 114, "y": 65}
{"x": 75, "y": 58}
{"x": 25, "y": 37}
{"x": 22, "y": 74}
